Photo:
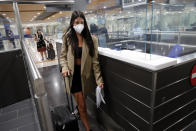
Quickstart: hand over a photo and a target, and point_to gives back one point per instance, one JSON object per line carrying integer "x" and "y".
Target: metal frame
{"x": 39, "y": 1}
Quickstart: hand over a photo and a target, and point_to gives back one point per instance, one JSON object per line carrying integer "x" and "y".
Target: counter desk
{"x": 148, "y": 92}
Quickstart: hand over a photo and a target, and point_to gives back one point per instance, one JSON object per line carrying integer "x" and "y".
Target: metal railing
{"x": 36, "y": 82}
{"x": 38, "y": 91}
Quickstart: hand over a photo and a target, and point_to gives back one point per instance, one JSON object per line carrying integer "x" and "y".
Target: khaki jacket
{"x": 89, "y": 66}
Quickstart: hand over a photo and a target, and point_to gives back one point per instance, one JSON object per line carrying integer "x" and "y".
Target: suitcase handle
{"x": 70, "y": 108}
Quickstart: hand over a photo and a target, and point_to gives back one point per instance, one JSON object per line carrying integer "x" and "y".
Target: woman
{"x": 41, "y": 45}
{"x": 79, "y": 59}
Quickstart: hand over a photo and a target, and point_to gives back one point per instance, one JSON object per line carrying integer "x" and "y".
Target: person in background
{"x": 1, "y": 42}
{"x": 79, "y": 60}
{"x": 94, "y": 29}
{"x": 103, "y": 36}
{"x": 27, "y": 32}
{"x": 11, "y": 38}
{"x": 41, "y": 45}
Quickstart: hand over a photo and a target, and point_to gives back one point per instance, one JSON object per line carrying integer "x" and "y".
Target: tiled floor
{"x": 19, "y": 117}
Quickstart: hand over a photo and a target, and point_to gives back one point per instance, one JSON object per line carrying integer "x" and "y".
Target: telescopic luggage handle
{"x": 70, "y": 108}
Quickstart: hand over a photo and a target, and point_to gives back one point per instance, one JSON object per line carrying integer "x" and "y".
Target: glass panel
{"x": 120, "y": 29}
{"x": 174, "y": 28}
{"x": 9, "y": 38}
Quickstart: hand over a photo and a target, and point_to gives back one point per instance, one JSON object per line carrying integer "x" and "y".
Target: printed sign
{"x": 193, "y": 76}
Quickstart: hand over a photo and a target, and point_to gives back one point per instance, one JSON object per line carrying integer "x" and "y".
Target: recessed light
{"x": 4, "y": 14}
{"x": 53, "y": 16}
{"x": 60, "y": 12}
{"x": 38, "y": 13}
{"x": 104, "y": 7}
{"x": 48, "y": 18}
{"x": 44, "y": 7}
{"x": 34, "y": 16}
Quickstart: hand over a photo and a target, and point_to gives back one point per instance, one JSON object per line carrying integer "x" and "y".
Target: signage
{"x": 193, "y": 76}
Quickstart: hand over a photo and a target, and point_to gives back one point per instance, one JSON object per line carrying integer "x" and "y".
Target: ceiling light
{"x": 38, "y": 13}
{"x": 4, "y": 14}
{"x": 48, "y": 18}
{"x": 104, "y": 7}
{"x": 53, "y": 16}
{"x": 60, "y": 12}
{"x": 44, "y": 7}
{"x": 34, "y": 16}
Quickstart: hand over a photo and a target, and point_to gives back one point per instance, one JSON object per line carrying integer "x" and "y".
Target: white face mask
{"x": 78, "y": 28}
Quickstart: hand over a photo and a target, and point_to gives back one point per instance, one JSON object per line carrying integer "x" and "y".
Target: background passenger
{"x": 94, "y": 29}
{"x": 11, "y": 38}
{"x": 103, "y": 36}
{"x": 41, "y": 45}
{"x": 1, "y": 42}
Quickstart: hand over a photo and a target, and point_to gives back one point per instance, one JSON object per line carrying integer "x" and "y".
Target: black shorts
{"x": 76, "y": 82}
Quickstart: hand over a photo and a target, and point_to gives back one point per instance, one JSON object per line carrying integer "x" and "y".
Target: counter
{"x": 147, "y": 97}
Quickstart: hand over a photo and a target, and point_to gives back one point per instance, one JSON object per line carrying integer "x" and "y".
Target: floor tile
{"x": 30, "y": 127}
{"x": 19, "y": 105}
{"x": 5, "y": 126}
{"x": 8, "y": 116}
{"x": 25, "y": 111}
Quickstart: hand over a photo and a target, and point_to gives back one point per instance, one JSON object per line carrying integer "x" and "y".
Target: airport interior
{"x": 146, "y": 56}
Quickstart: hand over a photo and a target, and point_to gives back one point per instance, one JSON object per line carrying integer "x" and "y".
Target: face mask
{"x": 78, "y": 28}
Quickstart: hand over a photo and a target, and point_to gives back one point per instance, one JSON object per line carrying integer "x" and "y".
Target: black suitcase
{"x": 51, "y": 53}
{"x": 64, "y": 118}
{"x": 50, "y": 50}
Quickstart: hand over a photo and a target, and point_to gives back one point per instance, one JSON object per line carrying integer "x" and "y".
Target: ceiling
{"x": 29, "y": 12}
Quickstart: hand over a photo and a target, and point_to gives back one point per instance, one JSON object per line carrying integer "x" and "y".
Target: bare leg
{"x": 45, "y": 54}
{"x": 42, "y": 55}
{"x": 82, "y": 109}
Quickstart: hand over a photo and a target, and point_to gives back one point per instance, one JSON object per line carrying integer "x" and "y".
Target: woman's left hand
{"x": 101, "y": 85}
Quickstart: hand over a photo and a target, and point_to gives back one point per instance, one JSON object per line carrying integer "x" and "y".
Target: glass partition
{"x": 9, "y": 38}
{"x": 155, "y": 29}
{"x": 173, "y": 32}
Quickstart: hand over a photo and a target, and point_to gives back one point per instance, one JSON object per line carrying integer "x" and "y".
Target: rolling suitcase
{"x": 51, "y": 52}
{"x": 64, "y": 118}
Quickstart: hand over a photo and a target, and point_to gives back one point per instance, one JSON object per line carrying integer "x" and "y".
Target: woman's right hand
{"x": 66, "y": 73}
